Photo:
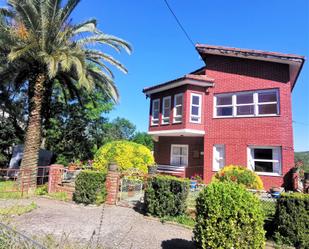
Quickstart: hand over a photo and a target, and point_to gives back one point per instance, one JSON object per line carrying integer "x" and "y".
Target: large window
{"x": 155, "y": 112}
{"x": 179, "y": 154}
{"x": 247, "y": 104}
{"x": 218, "y": 157}
{"x": 178, "y": 103}
{"x": 166, "y": 110}
{"x": 265, "y": 160}
{"x": 195, "y": 110}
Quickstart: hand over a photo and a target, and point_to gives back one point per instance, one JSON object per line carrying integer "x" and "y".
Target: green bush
{"x": 41, "y": 190}
{"x": 228, "y": 216}
{"x": 166, "y": 196}
{"x": 90, "y": 187}
{"x": 240, "y": 175}
{"x": 292, "y": 220}
{"x": 125, "y": 154}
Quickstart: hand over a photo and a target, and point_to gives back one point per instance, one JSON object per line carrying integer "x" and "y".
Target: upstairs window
{"x": 166, "y": 110}
{"x": 247, "y": 104}
{"x": 196, "y": 105}
{"x": 179, "y": 154}
{"x": 178, "y": 106}
{"x": 265, "y": 160}
{"x": 155, "y": 112}
{"x": 218, "y": 157}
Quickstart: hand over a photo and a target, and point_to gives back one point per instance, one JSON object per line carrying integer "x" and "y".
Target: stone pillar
{"x": 112, "y": 186}
{"x": 54, "y": 177}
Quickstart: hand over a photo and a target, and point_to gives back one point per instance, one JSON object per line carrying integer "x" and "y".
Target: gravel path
{"x": 121, "y": 227}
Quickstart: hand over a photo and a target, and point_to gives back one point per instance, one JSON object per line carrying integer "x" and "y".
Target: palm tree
{"x": 40, "y": 46}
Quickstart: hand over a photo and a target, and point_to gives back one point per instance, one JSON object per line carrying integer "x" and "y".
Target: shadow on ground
{"x": 177, "y": 243}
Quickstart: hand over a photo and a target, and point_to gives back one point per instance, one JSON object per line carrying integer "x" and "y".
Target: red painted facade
{"x": 232, "y": 74}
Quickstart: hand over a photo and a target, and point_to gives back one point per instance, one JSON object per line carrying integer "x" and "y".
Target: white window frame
{"x": 215, "y": 164}
{"x": 255, "y": 103}
{"x": 166, "y": 119}
{"x": 199, "y": 116}
{"x": 186, "y": 157}
{"x": 276, "y": 150}
{"x": 152, "y": 112}
{"x": 174, "y": 109}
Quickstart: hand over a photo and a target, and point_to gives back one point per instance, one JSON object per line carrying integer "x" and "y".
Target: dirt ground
{"x": 112, "y": 227}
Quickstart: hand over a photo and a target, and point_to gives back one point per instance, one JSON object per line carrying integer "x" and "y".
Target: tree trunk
{"x": 32, "y": 142}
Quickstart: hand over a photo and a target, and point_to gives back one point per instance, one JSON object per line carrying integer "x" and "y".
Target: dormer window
{"x": 166, "y": 110}
{"x": 195, "y": 109}
{"x": 155, "y": 112}
{"x": 178, "y": 106}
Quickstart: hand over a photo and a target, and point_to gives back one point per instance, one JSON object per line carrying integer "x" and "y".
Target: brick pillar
{"x": 54, "y": 177}
{"x": 112, "y": 187}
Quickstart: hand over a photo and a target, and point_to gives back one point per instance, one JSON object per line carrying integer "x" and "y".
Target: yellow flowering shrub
{"x": 125, "y": 154}
{"x": 240, "y": 175}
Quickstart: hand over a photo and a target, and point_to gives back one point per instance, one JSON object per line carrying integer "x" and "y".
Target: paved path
{"x": 121, "y": 227}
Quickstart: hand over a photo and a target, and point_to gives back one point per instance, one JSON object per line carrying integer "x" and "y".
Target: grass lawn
{"x": 9, "y": 190}
{"x": 17, "y": 209}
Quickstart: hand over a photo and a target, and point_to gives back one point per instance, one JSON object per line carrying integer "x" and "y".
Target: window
{"x": 218, "y": 157}
{"x": 178, "y": 99}
{"x": 179, "y": 155}
{"x": 196, "y": 103}
{"x": 155, "y": 112}
{"x": 246, "y": 104}
{"x": 166, "y": 110}
{"x": 265, "y": 160}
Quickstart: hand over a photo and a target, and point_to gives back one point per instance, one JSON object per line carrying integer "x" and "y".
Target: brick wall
{"x": 234, "y": 74}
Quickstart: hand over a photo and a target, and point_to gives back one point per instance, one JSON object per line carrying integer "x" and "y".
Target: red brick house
{"x": 234, "y": 110}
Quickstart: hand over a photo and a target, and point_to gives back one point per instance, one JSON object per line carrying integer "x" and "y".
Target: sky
{"x": 161, "y": 52}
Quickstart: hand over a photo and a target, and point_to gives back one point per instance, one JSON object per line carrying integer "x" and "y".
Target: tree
{"x": 40, "y": 47}
{"x": 144, "y": 139}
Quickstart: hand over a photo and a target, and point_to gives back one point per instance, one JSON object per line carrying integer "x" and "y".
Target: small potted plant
{"x": 275, "y": 192}
{"x": 152, "y": 169}
{"x": 195, "y": 181}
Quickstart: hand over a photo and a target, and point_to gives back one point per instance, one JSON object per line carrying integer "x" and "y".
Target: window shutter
{"x": 277, "y": 157}
{"x": 250, "y": 152}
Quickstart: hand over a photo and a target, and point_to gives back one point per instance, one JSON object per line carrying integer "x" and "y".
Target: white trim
{"x": 174, "y": 108}
{"x": 163, "y": 118}
{"x": 152, "y": 111}
{"x": 215, "y": 166}
{"x": 178, "y": 83}
{"x": 277, "y": 159}
{"x": 255, "y": 104}
{"x": 178, "y": 131}
{"x": 186, "y": 157}
{"x": 199, "y": 116}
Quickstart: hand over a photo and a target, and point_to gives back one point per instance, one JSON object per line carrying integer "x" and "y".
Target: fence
{"x": 18, "y": 181}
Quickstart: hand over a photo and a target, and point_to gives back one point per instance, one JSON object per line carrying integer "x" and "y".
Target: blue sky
{"x": 161, "y": 51}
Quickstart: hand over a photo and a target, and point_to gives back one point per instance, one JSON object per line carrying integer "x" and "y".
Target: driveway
{"x": 113, "y": 227}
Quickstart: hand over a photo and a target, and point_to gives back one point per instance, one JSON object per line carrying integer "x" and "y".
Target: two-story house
{"x": 235, "y": 110}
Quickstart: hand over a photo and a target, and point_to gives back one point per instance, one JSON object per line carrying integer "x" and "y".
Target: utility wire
{"x": 296, "y": 122}
{"x": 179, "y": 24}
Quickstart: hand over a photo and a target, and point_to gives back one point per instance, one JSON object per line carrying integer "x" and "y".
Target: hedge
{"x": 292, "y": 220}
{"x": 125, "y": 154}
{"x": 228, "y": 216}
{"x": 90, "y": 187}
{"x": 166, "y": 195}
{"x": 240, "y": 175}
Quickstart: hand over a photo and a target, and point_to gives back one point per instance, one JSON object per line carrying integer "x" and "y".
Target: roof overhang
{"x": 195, "y": 80}
{"x": 177, "y": 133}
{"x": 295, "y": 62}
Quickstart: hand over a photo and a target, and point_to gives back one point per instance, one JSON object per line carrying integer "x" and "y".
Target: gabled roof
{"x": 192, "y": 79}
{"x": 295, "y": 62}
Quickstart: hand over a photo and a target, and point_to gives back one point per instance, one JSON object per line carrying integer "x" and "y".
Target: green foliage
{"x": 125, "y": 154}
{"x": 17, "y": 209}
{"x": 240, "y": 175}
{"x": 90, "y": 187}
{"x": 59, "y": 196}
{"x": 166, "y": 196}
{"x": 144, "y": 139}
{"x": 228, "y": 216}
{"x": 183, "y": 219}
{"x": 292, "y": 220}
{"x": 302, "y": 156}
{"x": 41, "y": 190}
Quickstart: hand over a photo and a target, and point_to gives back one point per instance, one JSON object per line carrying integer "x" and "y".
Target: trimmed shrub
{"x": 292, "y": 220}
{"x": 240, "y": 175}
{"x": 90, "y": 187}
{"x": 228, "y": 216}
{"x": 126, "y": 154}
{"x": 166, "y": 195}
